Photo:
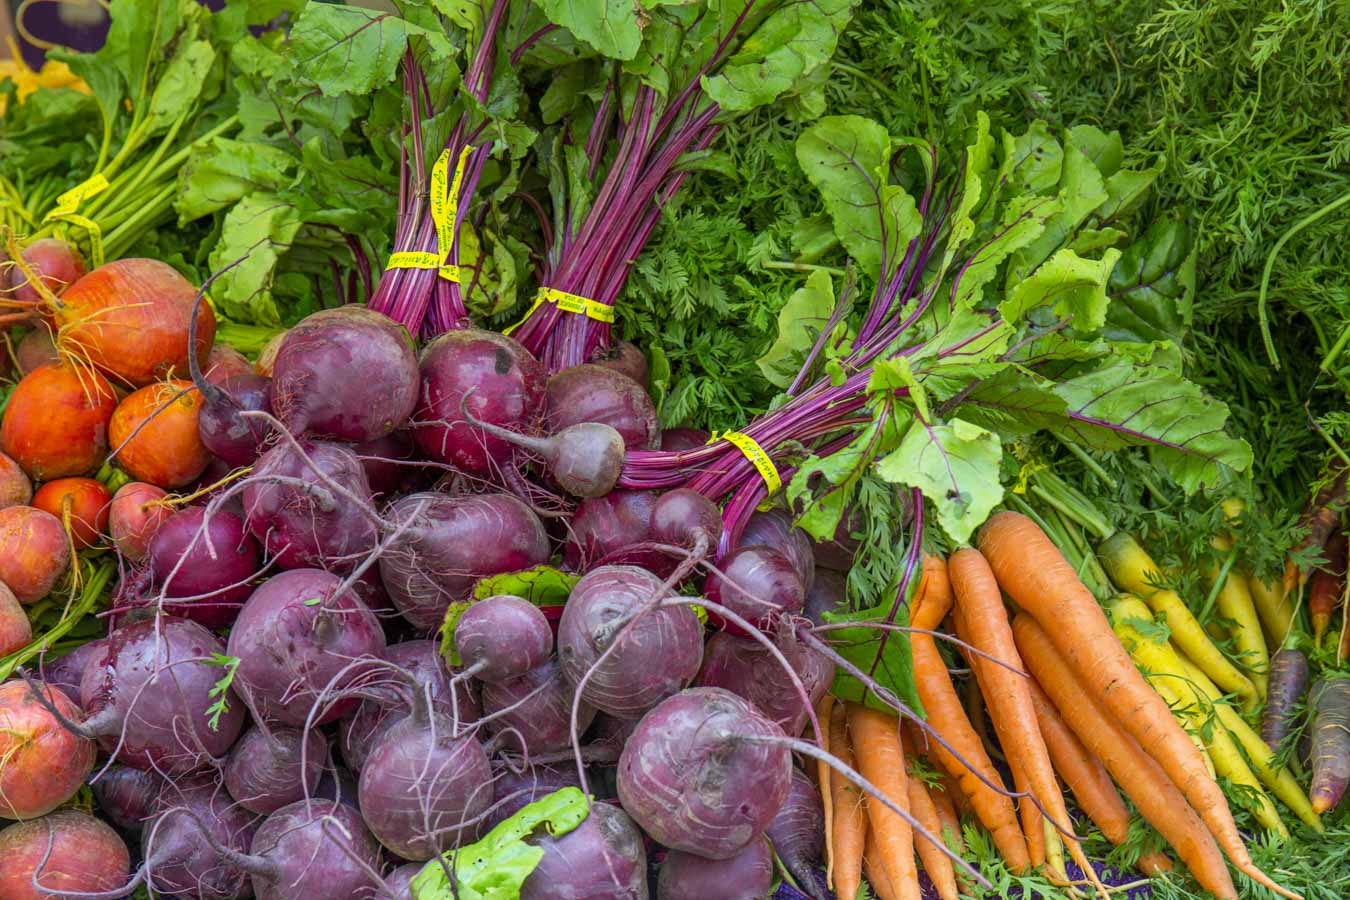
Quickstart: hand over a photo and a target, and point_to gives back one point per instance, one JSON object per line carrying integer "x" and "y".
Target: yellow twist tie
{"x": 756, "y": 455}
{"x": 65, "y": 211}
{"x": 444, "y": 212}
{"x": 568, "y": 303}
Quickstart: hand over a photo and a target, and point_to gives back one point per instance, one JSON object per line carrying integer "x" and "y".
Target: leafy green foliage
{"x": 221, "y": 689}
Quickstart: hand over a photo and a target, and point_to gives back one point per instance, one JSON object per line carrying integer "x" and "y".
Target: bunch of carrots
{"x": 1070, "y": 707}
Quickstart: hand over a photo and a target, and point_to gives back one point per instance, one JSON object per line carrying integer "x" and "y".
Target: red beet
{"x": 207, "y": 561}
{"x": 591, "y": 393}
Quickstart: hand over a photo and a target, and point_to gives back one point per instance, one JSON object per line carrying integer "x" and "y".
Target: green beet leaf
{"x": 956, "y": 466}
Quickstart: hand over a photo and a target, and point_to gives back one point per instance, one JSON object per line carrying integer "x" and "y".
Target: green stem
{"x": 1053, "y": 490}
{"x": 247, "y": 339}
{"x": 89, "y": 597}
{"x": 1217, "y": 586}
{"x": 1091, "y": 464}
{"x": 788, "y": 266}
{"x": 1303, "y": 223}
{"x": 124, "y": 235}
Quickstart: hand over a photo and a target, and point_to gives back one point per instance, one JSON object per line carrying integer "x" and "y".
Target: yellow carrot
{"x": 1234, "y": 602}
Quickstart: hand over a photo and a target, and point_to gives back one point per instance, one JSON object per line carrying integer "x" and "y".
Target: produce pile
{"x": 524, "y": 450}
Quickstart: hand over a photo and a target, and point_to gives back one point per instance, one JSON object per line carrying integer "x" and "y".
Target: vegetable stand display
{"x": 400, "y": 497}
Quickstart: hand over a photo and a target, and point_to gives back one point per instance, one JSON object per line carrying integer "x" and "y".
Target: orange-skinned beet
{"x": 15, "y": 488}
{"x": 82, "y": 855}
{"x": 42, "y": 763}
{"x": 130, "y": 318}
{"x": 34, "y": 552}
{"x": 168, "y": 451}
{"x": 56, "y": 423}
{"x": 137, "y": 511}
{"x": 15, "y": 630}
{"x": 81, "y": 504}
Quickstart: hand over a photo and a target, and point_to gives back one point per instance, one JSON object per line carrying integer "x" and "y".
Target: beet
{"x": 224, "y": 430}
{"x": 224, "y": 362}
{"x": 42, "y": 763}
{"x": 55, "y": 263}
{"x": 774, "y": 529}
{"x": 625, "y": 358}
{"x": 290, "y": 647}
{"x": 151, "y": 687}
{"x": 493, "y": 379}
{"x": 15, "y": 630}
{"x": 180, "y": 860}
{"x": 56, "y": 422}
{"x": 15, "y": 487}
{"x": 516, "y": 790}
{"x": 502, "y": 637}
{"x": 398, "y": 883}
{"x": 301, "y": 520}
{"x": 688, "y": 519}
{"x": 603, "y": 858}
{"x": 67, "y": 851}
{"x": 208, "y": 560}
{"x": 422, "y": 660}
{"x": 542, "y": 720}
{"x": 36, "y": 349}
{"x": 137, "y": 511}
{"x": 365, "y": 352}
{"x": 305, "y": 851}
{"x": 66, "y": 672}
{"x": 746, "y": 876}
{"x": 422, "y": 789}
{"x": 678, "y": 440}
{"x": 829, "y": 590}
{"x": 591, "y": 393}
{"x": 34, "y": 552}
{"x": 267, "y": 769}
{"x": 82, "y": 506}
{"x": 603, "y": 525}
{"x": 338, "y": 784}
{"x": 797, "y": 833}
{"x": 585, "y": 459}
{"x": 128, "y": 796}
{"x": 748, "y": 669}
{"x": 759, "y": 583}
{"x": 155, "y": 435}
{"x": 131, "y": 318}
{"x": 385, "y": 460}
{"x": 454, "y": 541}
{"x": 659, "y": 655}
{"x": 692, "y": 781}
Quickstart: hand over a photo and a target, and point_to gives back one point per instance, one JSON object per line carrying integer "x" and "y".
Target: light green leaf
{"x": 345, "y": 49}
{"x": 848, "y": 159}
{"x": 180, "y": 84}
{"x": 785, "y": 48}
{"x": 883, "y": 654}
{"x": 956, "y": 466}
{"x": 1072, "y": 286}
{"x": 495, "y": 867}
{"x": 1081, "y": 190}
{"x": 1153, "y": 285}
{"x": 541, "y": 585}
{"x": 609, "y": 26}
{"x": 1023, "y": 223}
{"x": 223, "y": 171}
{"x": 1014, "y": 402}
{"x": 800, "y": 322}
{"x": 1124, "y": 405}
{"x": 979, "y": 157}
{"x": 259, "y": 229}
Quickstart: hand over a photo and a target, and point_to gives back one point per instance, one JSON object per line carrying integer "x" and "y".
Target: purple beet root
{"x": 65, "y": 673}
{"x": 502, "y": 637}
{"x": 591, "y": 393}
{"x": 295, "y": 635}
{"x": 604, "y": 525}
{"x": 312, "y": 850}
{"x": 322, "y": 352}
{"x": 206, "y": 561}
{"x": 828, "y": 592}
{"x": 180, "y": 860}
{"x": 398, "y": 883}
{"x": 222, "y": 426}
{"x": 516, "y": 790}
{"x": 452, "y": 542}
{"x": 387, "y": 462}
{"x": 267, "y": 769}
{"x": 603, "y": 858}
{"x": 542, "y": 713}
{"x": 490, "y": 377}
{"x": 301, "y": 520}
{"x": 128, "y": 796}
{"x": 678, "y": 440}
{"x": 626, "y": 359}
{"x": 757, "y": 583}
{"x": 746, "y": 876}
{"x": 774, "y": 529}
{"x": 691, "y": 779}
{"x": 147, "y": 695}
{"x": 360, "y": 731}
{"x": 747, "y": 668}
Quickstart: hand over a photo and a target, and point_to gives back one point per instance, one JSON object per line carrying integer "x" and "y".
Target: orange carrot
{"x": 1155, "y": 863}
{"x": 876, "y": 745}
{"x": 849, "y": 825}
{"x": 936, "y": 863}
{"x": 1036, "y": 575}
{"x": 948, "y": 717}
{"x": 825, "y": 715}
{"x": 1138, "y": 774}
{"x": 1085, "y": 775}
{"x": 1326, "y": 586}
{"x": 934, "y": 597}
{"x": 876, "y": 873}
{"x": 1008, "y": 696}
